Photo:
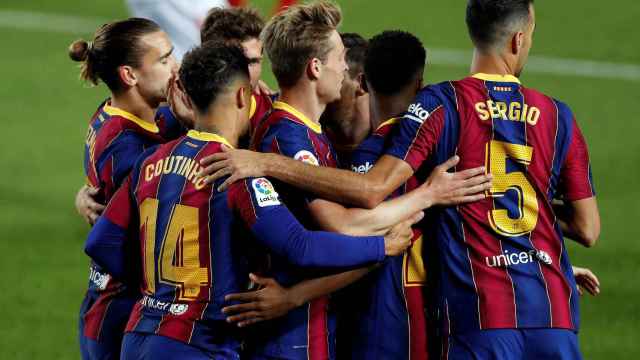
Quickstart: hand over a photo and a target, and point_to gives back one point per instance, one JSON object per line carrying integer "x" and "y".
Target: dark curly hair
{"x": 208, "y": 69}
{"x": 491, "y": 22}
{"x": 231, "y": 25}
{"x": 393, "y": 60}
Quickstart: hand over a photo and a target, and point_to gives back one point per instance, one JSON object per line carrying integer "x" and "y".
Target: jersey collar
{"x": 281, "y": 105}
{"x": 388, "y": 122}
{"x": 252, "y": 108}
{"x": 207, "y": 136}
{"x": 496, "y": 78}
{"x": 129, "y": 116}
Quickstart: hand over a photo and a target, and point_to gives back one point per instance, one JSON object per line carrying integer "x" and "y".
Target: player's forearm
{"x": 338, "y": 185}
{"x": 305, "y": 248}
{"x": 312, "y": 289}
{"x": 105, "y": 245}
{"x": 382, "y": 218}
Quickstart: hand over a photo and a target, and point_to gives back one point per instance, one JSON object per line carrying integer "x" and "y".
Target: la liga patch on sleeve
{"x": 264, "y": 192}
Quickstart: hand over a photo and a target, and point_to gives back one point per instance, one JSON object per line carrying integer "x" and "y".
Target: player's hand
{"x": 86, "y": 205}
{"x": 239, "y": 164}
{"x": 586, "y": 280}
{"x": 262, "y": 88}
{"x": 398, "y": 239}
{"x": 452, "y": 188}
{"x": 269, "y": 302}
{"x": 177, "y": 99}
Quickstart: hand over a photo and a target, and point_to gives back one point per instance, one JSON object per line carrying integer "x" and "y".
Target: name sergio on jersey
{"x": 179, "y": 165}
{"x": 514, "y": 111}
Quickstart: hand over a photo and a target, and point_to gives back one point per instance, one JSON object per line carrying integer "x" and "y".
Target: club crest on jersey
{"x": 178, "y": 309}
{"x": 306, "y": 157}
{"x": 265, "y": 194}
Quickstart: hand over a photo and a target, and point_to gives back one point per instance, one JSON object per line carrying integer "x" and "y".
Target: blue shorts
{"x": 138, "y": 346}
{"x": 516, "y": 344}
{"x": 107, "y": 347}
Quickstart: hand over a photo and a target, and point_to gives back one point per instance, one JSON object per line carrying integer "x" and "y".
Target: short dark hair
{"x": 231, "y": 25}
{"x": 491, "y": 22}
{"x": 393, "y": 60}
{"x": 356, "y": 47}
{"x": 208, "y": 69}
{"x": 114, "y": 44}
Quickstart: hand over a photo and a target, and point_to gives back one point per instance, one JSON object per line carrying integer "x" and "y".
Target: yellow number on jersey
{"x": 179, "y": 260}
{"x": 499, "y": 219}
{"x": 415, "y": 273}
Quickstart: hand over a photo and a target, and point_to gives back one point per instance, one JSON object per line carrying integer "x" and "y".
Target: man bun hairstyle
{"x": 393, "y": 60}
{"x": 231, "y": 25}
{"x": 356, "y": 47}
{"x": 207, "y": 70}
{"x": 298, "y": 34}
{"x": 491, "y": 22}
{"x": 114, "y": 44}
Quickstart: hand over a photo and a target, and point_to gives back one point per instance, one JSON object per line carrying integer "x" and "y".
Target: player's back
{"x": 503, "y": 258}
{"x": 189, "y": 261}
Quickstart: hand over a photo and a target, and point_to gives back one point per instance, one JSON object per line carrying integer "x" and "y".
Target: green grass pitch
{"x": 45, "y": 109}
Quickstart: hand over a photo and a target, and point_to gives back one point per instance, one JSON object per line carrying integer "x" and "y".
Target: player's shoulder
{"x": 428, "y": 100}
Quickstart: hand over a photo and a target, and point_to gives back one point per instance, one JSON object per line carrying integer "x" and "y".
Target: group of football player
{"x": 353, "y": 214}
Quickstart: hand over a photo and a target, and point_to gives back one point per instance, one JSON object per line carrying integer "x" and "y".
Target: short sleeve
{"x": 576, "y": 181}
{"x": 420, "y": 129}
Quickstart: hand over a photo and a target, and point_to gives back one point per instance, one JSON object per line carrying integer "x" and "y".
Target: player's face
{"x": 343, "y": 109}
{"x": 334, "y": 69}
{"x": 253, "y": 52}
{"x": 158, "y": 65}
{"x": 527, "y": 41}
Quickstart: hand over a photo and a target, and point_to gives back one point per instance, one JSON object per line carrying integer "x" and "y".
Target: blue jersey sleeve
{"x": 259, "y": 206}
{"x": 108, "y": 242}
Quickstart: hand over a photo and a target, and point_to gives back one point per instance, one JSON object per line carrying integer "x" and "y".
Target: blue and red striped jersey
{"x": 193, "y": 241}
{"x": 386, "y": 309}
{"x": 308, "y": 330}
{"x": 115, "y": 138}
{"x": 503, "y": 260}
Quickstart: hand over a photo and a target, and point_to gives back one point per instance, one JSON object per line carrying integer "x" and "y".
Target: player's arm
{"x": 106, "y": 243}
{"x": 272, "y": 224}
{"x": 272, "y": 300}
{"x": 580, "y": 217}
{"x": 441, "y": 187}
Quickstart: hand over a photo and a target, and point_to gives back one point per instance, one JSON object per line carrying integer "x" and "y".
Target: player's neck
{"x": 383, "y": 108}
{"x": 222, "y": 123}
{"x": 134, "y": 104}
{"x": 304, "y": 98}
{"x": 490, "y": 63}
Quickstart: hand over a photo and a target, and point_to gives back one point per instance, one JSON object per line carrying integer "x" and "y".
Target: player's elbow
{"x": 590, "y": 234}
{"x": 374, "y": 195}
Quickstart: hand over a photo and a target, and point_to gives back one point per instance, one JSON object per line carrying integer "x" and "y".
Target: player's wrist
{"x": 428, "y": 196}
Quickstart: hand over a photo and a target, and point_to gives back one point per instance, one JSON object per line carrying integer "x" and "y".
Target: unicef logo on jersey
{"x": 178, "y": 309}
{"x": 264, "y": 192}
{"x": 512, "y": 258}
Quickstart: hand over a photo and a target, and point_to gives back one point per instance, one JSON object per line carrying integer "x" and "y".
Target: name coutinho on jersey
{"x": 179, "y": 165}
{"x": 514, "y": 111}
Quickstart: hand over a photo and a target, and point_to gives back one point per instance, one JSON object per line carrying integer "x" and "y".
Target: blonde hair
{"x": 297, "y": 35}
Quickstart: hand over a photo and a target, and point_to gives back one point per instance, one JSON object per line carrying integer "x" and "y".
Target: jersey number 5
{"x": 178, "y": 262}
{"x": 527, "y": 201}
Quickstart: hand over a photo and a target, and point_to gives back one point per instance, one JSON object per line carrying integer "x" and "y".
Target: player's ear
{"x": 127, "y": 75}
{"x": 362, "y": 85}
{"x": 517, "y": 41}
{"x": 314, "y": 68}
{"x": 241, "y": 97}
